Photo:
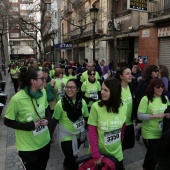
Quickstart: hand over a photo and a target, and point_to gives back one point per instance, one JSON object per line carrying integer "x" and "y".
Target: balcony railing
{"x": 158, "y": 11}
{"x": 75, "y": 3}
{"x": 76, "y": 32}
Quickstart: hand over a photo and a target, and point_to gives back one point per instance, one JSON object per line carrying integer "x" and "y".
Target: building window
{"x": 14, "y": 8}
{"x": 121, "y": 6}
{"x": 14, "y": 35}
{"x": 16, "y": 43}
{"x": 13, "y": 1}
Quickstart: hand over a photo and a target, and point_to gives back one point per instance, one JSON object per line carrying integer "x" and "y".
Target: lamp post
{"x": 93, "y": 16}
{"x": 2, "y": 52}
{"x": 53, "y": 37}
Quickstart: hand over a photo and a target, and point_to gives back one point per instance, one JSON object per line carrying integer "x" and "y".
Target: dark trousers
{"x": 35, "y": 160}
{"x": 150, "y": 159}
{"x": 69, "y": 160}
{"x": 15, "y": 81}
{"x": 129, "y": 137}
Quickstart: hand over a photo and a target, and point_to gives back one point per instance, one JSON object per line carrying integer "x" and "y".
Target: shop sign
{"x": 164, "y": 32}
{"x": 139, "y": 5}
{"x": 62, "y": 46}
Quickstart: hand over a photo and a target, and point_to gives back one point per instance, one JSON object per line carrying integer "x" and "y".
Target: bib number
{"x": 94, "y": 96}
{"x": 40, "y": 129}
{"x": 112, "y": 137}
{"x": 79, "y": 124}
{"x": 160, "y": 125}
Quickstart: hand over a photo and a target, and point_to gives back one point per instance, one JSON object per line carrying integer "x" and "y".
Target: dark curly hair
{"x": 148, "y": 72}
{"x": 150, "y": 89}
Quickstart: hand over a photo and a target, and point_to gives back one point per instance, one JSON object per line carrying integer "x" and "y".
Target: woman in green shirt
{"x": 91, "y": 89}
{"x": 69, "y": 73}
{"x": 106, "y": 124}
{"x": 14, "y": 75}
{"x": 151, "y": 112}
{"x": 28, "y": 114}
{"x": 70, "y": 116}
{"x": 124, "y": 75}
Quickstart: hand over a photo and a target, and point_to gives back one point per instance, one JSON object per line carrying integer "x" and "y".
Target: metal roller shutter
{"x": 164, "y": 52}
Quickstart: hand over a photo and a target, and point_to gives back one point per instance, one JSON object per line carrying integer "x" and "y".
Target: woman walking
{"x": 28, "y": 114}
{"x": 70, "y": 116}
{"x": 151, "y": 112}
{"x": 107, "y": 123}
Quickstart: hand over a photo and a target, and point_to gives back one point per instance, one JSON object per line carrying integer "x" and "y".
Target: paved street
{"x": 9, "y": 159}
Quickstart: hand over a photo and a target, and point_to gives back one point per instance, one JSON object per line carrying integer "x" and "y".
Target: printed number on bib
{"x": 94, "y": 96}
{"x": 79, "y": 124}
{"x": 160, "y": 125}
{"x": 112, "y": 137}
{"x": 40, "y": 129}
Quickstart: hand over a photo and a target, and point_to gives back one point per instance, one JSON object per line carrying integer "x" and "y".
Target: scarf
{"x": 74, "y": 111}
{"x": 35, "y": 95}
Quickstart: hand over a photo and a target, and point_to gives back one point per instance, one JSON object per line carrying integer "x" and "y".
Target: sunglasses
{"x": 159, "y": 86}
{"x": 93, "y": 74}
{"x": 156, "y": 71}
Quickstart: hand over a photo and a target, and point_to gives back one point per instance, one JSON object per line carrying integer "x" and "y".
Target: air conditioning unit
{"x": 110, "y": 25}
{"x": 117, "y": 24}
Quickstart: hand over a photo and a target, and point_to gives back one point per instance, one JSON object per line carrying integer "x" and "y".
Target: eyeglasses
{"x": 42, "y": 78}
{"x": 93, "y": 74}
{"x": 70, "y": 87}
{"x": 159, "y": 86}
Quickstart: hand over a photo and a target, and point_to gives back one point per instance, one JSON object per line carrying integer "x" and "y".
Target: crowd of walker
{"x": 93, "y": 102}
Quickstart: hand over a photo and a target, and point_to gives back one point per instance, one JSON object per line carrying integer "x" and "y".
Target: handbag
{"x": 50, "y": 93}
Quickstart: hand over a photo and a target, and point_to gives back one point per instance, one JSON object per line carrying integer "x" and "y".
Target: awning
{"x": 131, "y": 34}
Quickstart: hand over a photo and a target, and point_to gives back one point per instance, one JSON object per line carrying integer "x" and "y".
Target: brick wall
{"x": 148, "y": 44}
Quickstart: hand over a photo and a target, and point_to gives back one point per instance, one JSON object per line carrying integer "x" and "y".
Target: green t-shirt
{"x": 84, "y": 76}
{"x": 127, "y": 98}
{"x": 109, "y": 127}
{"x": 61, "y": 115}
{"x": 51, "y": 73}
{"x": 91, "y": 90}
{"x": 22, "y": 110}
{"x": 69, "y": 77}
{"x": 61, "y": 91}
{"x": 15, "y": 73}
{"x": 152, "y": 129}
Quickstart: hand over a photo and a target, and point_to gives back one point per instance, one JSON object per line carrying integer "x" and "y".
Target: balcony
{"x": 75, "y": 33}
{"x": 158, "y": 11}
{"x": 76, "y": 3}
{"x": 67, "y": 10}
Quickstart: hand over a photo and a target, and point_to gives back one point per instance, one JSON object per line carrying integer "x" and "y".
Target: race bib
{"x": 160, "y": 125}
{"x": 94, "y": 96}
{"x": 79, "y": 124}
{"x": 112, "y": 137}
{"x": 40, "y": 129}
{"x": 61, "y": 95}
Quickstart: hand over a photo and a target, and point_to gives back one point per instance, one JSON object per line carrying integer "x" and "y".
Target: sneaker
{"x": 137, "y": 134}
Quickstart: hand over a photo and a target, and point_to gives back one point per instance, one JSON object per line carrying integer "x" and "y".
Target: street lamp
{"x": 2, "y": 52}
{"x": 53, "y": 37}
{"x": 93, "y": 16}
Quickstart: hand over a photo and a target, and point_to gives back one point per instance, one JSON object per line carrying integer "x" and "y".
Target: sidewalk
{"x": 9, "y": 159}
